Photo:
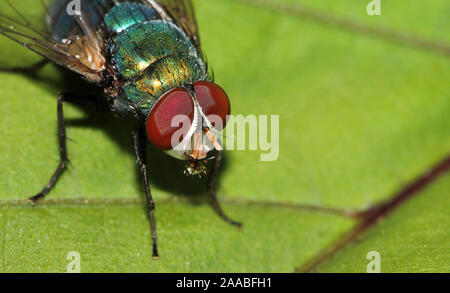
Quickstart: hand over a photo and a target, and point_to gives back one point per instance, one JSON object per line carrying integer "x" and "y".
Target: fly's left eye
{"x": 213, "y": 100}
{"x": 159, "y": 122}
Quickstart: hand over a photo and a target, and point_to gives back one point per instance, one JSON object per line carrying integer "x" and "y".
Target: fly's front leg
{"x": 140, "y": 142}
{"x": 62, "y": 153}
{"x": 212, "y": 183}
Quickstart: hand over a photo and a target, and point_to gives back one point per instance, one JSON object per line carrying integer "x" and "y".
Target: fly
{"x": 146, "y": 56}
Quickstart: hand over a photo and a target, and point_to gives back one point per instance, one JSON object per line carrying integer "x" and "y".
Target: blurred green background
{"x": 360, "y": 117}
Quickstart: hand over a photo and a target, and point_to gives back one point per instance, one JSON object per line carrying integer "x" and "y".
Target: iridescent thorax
{"x": 149, "y": 55}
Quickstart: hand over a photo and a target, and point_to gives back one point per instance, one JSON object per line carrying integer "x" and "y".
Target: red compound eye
{"x": 213, "y": 100}
{"x": 159, "y": 129}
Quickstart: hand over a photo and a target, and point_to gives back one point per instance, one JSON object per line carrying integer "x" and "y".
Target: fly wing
{"x": 83, "y": 52}
{"x": 69, "y": 53}
{"x": 182, "y": 12}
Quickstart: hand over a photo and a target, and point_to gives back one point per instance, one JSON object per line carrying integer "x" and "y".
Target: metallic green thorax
{"x": 150, "y": 56}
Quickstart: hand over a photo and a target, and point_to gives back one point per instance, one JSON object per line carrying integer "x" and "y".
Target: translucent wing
{"x": 82, "y": 52}
{"x": 70, "y": 54}
{"x": 182, "y": 12}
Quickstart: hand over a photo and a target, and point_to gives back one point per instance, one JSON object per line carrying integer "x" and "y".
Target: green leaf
{"x": 360, "y": 117}
{"x": 414, "y": 239}
{"x": 192, "y": 238}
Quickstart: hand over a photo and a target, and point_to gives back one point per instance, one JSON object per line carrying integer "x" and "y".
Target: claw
{"x": 33, "y": 200}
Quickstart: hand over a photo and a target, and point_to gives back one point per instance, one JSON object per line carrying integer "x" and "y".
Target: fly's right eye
{"x": 213, "y": 100}
{"x": 158, "y": 126}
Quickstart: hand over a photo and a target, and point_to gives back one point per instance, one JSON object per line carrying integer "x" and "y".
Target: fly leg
{"x": 212, "y": 182}
{"x": 26, "y": 69}
{"x": 62, "y": 153}
{"x": 140, "y": 143}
